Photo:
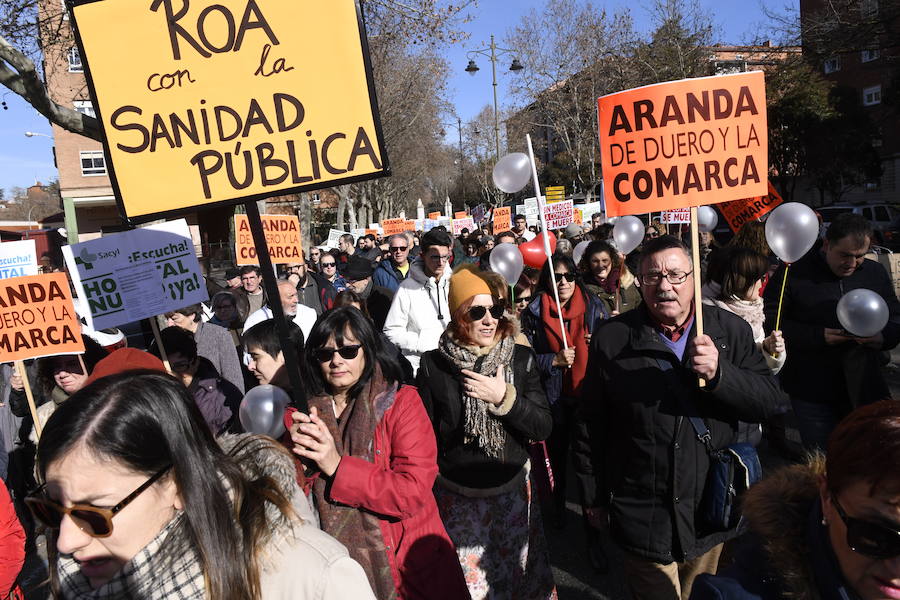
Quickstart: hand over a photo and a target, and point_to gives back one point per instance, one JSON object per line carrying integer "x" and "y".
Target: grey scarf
{"x": 480, "y": 426}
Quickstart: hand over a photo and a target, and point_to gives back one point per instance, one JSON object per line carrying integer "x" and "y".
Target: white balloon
{"x": 791, "y": 230}
{"x": 578, "y": 252}
{"x": 512, "y": 172}
{"x": 707, "y": 218}
{"x": 506, "y": 259}
{"x": 262, "y": 410}
{"x": 628, "y": 233}
{"x": 862, "y": 312}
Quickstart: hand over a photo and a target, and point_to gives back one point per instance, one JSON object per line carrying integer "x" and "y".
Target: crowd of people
{"x": 448, "y": 418}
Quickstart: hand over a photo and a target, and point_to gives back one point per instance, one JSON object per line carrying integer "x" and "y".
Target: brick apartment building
{"x": 88, "y": 199}
{"x": 867, "y": 64}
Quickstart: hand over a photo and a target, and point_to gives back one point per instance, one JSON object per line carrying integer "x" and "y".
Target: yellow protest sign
{"x": 556, "y": 193}
{"x": 204, "y": 103}
{"x": 282, "y": 238}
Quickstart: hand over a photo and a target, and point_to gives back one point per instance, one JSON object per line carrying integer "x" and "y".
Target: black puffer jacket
{"x": 842, "y": 376}
{"x": 528, "y": 419}
{"x": 634, "y": 450}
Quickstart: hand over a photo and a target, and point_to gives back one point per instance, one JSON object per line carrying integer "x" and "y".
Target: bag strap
{"x": 700, "y": 428}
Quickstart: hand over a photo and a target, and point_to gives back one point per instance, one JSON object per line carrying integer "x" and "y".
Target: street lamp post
{"x": 493, "y": 52}
{"x": 34, "y": 133}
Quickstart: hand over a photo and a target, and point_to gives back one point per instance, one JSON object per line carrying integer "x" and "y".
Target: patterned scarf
{"x": 480, "y": 426}
{"x": 166, "y": 568}
{"x": 354, "y": 435}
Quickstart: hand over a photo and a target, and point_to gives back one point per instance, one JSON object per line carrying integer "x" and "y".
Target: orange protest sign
{"x": 502, "y": 219}
{"x": 460, "y": 214}
{"x": 579, "y": 217}
{"x": 372, "y": 232}
{"x": 282, "y": 238}
{"x": 434, "y": 216}
{"x": 393, "y": 226}
{"x": 37, "y": 317}
{"x": 684, "y": 143}
{"x": 740, "y": 211}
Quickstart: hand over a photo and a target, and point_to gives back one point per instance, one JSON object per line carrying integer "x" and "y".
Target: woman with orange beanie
{"x": 483, "y": 394}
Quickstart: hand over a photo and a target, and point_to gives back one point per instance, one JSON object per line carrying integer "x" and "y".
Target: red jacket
{"x": 397, "y": 488}
{"x": 12, "y": 543}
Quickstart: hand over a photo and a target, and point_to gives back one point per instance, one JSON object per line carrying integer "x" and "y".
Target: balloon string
{"x": 787, "y": 266}
{"x": 512, "y": 294}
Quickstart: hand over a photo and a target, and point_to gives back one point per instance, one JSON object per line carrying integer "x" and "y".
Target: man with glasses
{"x": 419, "y": 312}
{"x": 642, "y": 468}
{"x": 391, "y": 273}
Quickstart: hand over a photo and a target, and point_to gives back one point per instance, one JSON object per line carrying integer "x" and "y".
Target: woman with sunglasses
{"x": 375, "y": 457}
{"x": 562, "y": 367}
{"x": 828, "y": 529}
{"x": 606, "y": 276}
{"x": 483, "y": 394}
{"x": 141, "y": 502}
{"x": 328, "y": 268}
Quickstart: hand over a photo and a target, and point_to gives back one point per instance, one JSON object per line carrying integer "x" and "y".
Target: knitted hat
{"x": 465, "y": 283}
{"x": 125, "y": 359}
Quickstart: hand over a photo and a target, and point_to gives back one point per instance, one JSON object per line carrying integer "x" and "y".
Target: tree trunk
{"x": 351, "y": 210}
{"x": 341, "y": 207}
{"x": 304, "y": 212}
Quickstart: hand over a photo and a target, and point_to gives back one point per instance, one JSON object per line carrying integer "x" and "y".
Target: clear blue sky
{"x": 736, "y": 22}
{"x": 24, "y": 160}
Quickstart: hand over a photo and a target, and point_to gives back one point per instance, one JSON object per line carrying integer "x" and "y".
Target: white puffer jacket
{"x": 419, "y": 313}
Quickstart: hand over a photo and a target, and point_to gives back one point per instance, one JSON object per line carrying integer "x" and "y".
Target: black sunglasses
{"x": 326, "y": 265}
{"x": 570, "y": 277}
{"x": 94, "y": 521}
{"x": 869, "y": 539}
{"x": 398, "y": 248}
{"x": 476, "y": 313}
{"x": 347, "y": 353}
{"x": 526, "y": 299}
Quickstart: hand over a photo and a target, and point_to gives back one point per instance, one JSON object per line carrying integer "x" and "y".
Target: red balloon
{"x": 533, "y": 253}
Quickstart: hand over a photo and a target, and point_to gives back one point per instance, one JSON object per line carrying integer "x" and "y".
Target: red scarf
{"x": 573, "y": 317}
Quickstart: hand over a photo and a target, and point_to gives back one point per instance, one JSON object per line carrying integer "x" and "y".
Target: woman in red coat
{"x": 377, "y": 458}
{"x": 12, "y": 546}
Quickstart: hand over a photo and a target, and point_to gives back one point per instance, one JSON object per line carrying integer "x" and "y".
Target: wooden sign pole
{"x": 545, "y": 232}
{"x": 154, "y": 325}
{"x": 698, "y": 297}
{"x": 20, "y": 367}
{"x": 291, "y": 360}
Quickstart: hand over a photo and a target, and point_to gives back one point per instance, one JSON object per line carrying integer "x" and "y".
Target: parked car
{"x": 885, "y": 219}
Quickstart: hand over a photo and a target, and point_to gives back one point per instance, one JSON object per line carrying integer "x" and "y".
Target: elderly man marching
{"x": 642, "y": 467}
